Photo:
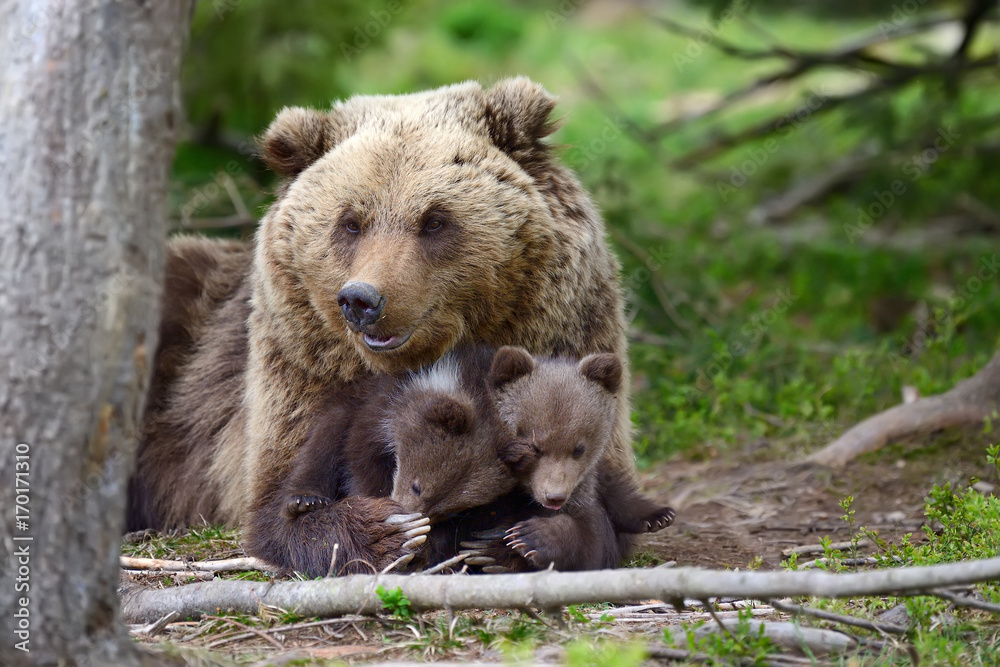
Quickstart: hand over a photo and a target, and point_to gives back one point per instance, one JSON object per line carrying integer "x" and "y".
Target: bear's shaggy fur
{"x": 448, "y": 208}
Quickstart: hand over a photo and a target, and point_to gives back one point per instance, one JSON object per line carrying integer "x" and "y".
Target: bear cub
{"x": 561, "y": 414}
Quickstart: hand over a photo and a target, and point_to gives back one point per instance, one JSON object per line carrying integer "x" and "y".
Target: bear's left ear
{"x": 450, "y": 414}
{"x": 516, "y": 112}
{"x": 604, "y": 369}
{"x": 297, "y": 138}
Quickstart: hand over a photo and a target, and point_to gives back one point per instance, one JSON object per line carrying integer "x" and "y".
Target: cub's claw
{"x": 496, "y": 569}
{"x": 393, "y": 519}
{"x": 480, "y": 560}
{"x": 491, "y": 534}
{"x": 302, "y": 504}
{"x": 665, "y": 517}
{"x": 476, "y": 544}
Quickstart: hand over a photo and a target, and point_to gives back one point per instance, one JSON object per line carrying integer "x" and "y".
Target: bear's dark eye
{"x": 434, "y": 221}
{"x": 578, "y": 452}
{"x": 416, "y": 488}
{"x": 349, "y": 221}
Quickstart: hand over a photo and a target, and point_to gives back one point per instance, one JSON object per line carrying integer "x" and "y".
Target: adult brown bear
{"x": 408, "y": 224}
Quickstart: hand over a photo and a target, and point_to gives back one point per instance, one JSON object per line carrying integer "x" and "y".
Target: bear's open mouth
{"x": 380, "y": 343}
{"x": 555, "y": 507}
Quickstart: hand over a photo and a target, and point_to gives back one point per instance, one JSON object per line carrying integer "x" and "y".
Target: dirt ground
{"x": 731, "y": 511}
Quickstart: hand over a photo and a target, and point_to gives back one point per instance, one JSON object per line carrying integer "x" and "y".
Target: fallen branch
{"x": 969, "y": 402}
{"x": 540, "y": 590}
{"x": 223, "y": 565}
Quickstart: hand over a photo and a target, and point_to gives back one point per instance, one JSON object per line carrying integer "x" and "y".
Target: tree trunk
{"x": 87, "y": 115}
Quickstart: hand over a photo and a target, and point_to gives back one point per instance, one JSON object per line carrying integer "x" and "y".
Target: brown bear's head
{"x": 562, "y": 414}
{"x": 408, "y": 222}
{"x": 445, "y": 445}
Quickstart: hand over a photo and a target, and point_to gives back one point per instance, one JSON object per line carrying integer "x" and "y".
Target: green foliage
{"x": 740, "y": 644}
{"x": 395, "y": 602}
{"x": 587, "y": 653}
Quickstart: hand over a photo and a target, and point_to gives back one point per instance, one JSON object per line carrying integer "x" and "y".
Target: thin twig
{"x": 800, "y": 610}
{"x": 454, "y": 560}
{"x": 223, "y": 565}
{"x": 254, "y": 631}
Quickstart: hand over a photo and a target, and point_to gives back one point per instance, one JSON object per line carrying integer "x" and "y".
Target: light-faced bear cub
{"x": 560, "y": 414}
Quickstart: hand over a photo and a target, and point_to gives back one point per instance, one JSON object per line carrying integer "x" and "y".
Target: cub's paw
{"x": 301, "y": 504}
{"x": 659, "y": 519}
{"x": 532, "y": 540}
{"x": 490, "y": 555}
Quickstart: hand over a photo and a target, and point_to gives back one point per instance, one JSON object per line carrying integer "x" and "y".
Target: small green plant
{"x": 396, "y": 603}
{"x": 737, "y": 644}
{"x": 848, "y": 516}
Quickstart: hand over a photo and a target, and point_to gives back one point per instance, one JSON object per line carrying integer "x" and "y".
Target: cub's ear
{"x": 516, "y": 455}
{"x": 516, "y": 112}
{"x": 450, "y": 414}
{"x": 509, "y": 364}
{"x": 604, "y": 369}
{"x": 297, "y": 138}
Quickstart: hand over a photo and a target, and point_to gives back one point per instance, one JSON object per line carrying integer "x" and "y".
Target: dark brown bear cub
{"x": 344, "y": 473}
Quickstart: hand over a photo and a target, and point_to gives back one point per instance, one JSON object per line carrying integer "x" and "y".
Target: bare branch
{"x": 544, "y": 590}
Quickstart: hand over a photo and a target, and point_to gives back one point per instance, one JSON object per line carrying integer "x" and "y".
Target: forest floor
{"x": 734, "y": 511}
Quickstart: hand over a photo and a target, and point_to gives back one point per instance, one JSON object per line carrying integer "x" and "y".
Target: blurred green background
{"x": 779, "y": 289}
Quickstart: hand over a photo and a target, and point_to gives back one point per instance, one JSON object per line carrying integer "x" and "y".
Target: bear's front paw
{"x": 531, "y": 540}
{"x": 301, "y": 504}
{"x": 659, "y": 519}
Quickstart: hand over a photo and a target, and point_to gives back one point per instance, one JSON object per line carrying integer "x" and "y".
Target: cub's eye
{"x": 578, "y": 452}
{"x": 353, "y": 226}
{"x": 434, "y": 222}
{"x": 416, "y": 488}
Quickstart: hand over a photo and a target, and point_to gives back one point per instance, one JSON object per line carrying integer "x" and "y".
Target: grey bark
{"x": 88, "y": 108}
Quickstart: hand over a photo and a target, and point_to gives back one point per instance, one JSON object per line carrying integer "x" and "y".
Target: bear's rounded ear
{"x": 604, "y": 369}
{"x": 517, "y": 456}
{"x": 450, "y": 414}
{"x": 516, "y": 112}
{"x": 509, "y": 364}
{"x": 297, "y": 138}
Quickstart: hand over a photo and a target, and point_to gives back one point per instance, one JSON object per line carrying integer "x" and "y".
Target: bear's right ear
{"x": 509, "y": 364}
{"x": 297, "y": 138}
{"x": 516, "y": 112}
{"x": 450, "y": 414}
{"x": 517, "y": 456}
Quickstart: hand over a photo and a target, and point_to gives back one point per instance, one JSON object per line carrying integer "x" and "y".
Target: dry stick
{"x": 224, "y": 565}
{"x": 799, "y": 610}
{"x": 252, "y": 631}
{"x": 544, "y": 590}
{"x": 962, "y": 601}
{"x": 455, "y": 560}
{"x": 819, "y": 548}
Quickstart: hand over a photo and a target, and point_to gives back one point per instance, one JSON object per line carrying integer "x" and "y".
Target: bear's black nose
{"x": 361, "y": 303}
